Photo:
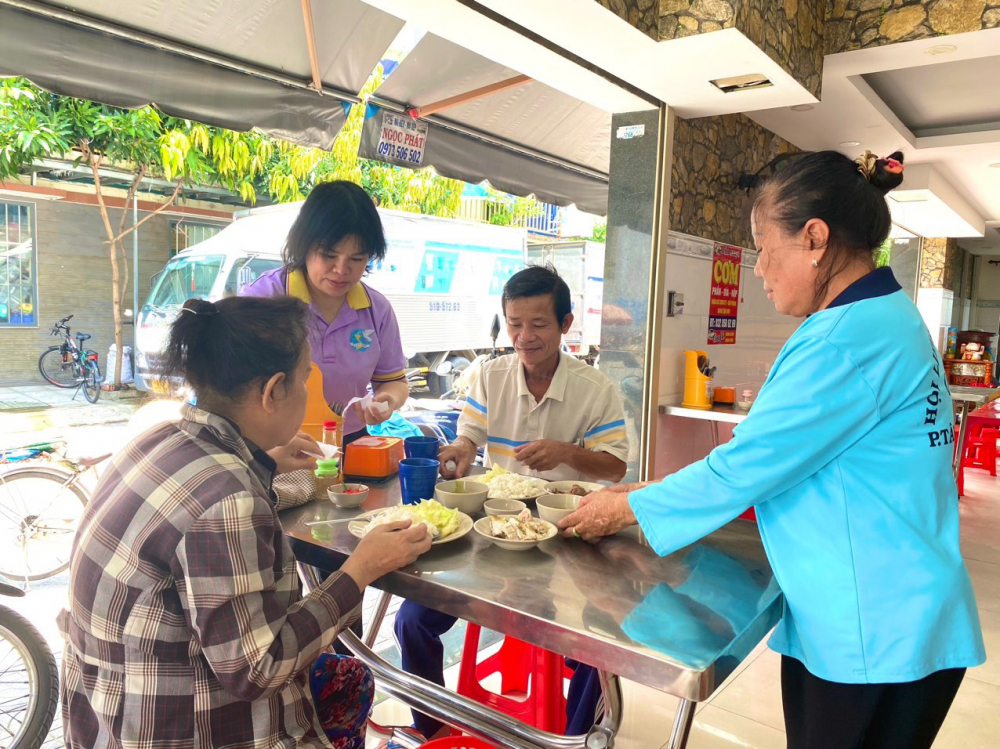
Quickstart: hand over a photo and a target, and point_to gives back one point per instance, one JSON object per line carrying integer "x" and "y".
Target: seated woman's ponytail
{"x": 210, "y": 344}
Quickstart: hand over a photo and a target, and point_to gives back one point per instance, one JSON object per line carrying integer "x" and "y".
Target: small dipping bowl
{"x": 345, "y": 500}
{"x": 504, "y": 507}
{"x": 470, "y": 500}
{"x": 554, "y": 507}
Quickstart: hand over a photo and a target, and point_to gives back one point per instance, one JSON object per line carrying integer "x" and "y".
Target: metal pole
{"x": 682, "y": 726}
{"x": 135, "y": 264}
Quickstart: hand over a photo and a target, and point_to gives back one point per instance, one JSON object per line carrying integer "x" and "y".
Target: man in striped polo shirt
{"x": 538, "y": 412}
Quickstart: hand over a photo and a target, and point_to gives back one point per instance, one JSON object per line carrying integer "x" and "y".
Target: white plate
{"x": 356, "y": 527}
{"x": 482, "y": 528}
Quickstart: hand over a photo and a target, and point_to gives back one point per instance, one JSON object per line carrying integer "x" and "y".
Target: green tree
{"x": 36, "y": 124}
{"x": 883, "y": 253}
{"x": 504, "y": 209}
{"x": 600, "y": 231}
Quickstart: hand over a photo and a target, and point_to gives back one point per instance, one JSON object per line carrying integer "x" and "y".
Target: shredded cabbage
{"x": 440, "y": 521}
{"x": 491, "y": 474}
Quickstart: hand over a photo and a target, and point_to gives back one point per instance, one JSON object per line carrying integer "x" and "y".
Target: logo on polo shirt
{"x": 362, "y": 339}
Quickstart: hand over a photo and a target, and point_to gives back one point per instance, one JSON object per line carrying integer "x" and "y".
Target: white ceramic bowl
{"x": 504, "y": 506}
{"x": 554, "y": 507}
{"x": 470, "y": 500}
{"x": 345, "y": 500}
{"x": 482, "y": 527}
{"x": 563, "y": 487}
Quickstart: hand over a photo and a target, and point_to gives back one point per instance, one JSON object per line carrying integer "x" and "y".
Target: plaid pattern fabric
{"x": 186, "y": 625}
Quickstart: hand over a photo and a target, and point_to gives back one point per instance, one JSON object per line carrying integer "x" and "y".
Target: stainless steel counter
{"x": 715, "y": 415}
{"x": 680, "y": 624}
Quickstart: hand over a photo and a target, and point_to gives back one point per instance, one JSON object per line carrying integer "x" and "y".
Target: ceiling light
{"x": 850, "y": 143}
{"x": 941, "y": 49}
{"x": 995, "y": 166}
{"x": 802, "y": 108}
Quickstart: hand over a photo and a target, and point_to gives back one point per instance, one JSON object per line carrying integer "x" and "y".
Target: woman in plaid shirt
{"x": 187, "y": 626}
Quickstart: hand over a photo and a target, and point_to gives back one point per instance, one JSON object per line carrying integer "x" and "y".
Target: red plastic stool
{"x": 982, "y": 451}
{"x": 750, "y": 514}
{"x": 457, "y": 742}
{"x": 531, "y": 681}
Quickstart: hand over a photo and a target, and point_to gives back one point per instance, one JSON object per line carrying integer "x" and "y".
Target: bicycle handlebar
{"x": 61, "y": 325}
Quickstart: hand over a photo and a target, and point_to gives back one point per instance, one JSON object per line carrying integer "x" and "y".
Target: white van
{"x": 443, "y": 277}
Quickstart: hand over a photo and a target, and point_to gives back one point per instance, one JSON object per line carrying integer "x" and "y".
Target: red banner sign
{"x": 724, "y": 300}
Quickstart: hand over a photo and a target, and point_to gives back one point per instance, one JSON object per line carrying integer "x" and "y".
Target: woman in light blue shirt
{"x": 846, "y": 456}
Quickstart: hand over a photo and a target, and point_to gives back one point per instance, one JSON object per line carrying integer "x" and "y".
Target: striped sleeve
{"x": 474, "y": 419}
{"x": 606, "y": 432}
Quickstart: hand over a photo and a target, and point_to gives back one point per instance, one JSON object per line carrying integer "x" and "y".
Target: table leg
{"x": 963, "y": 413}
{"x": 381, "y": 606}
{"x": 715, "y": 433}
{"x": 682, "y": 726}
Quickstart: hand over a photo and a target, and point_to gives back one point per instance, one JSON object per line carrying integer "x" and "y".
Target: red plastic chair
{"x": 457, "y": 742}
{"x": 750, "y": 514}
{"x": 981, "y": 451}
{"x": 531, "y": 681}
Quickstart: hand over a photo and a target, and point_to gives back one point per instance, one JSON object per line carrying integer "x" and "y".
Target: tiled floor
{"x": 746, "y": 711}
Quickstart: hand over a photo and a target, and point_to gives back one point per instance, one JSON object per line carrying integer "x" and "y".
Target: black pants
{"x": 822, "y": 714}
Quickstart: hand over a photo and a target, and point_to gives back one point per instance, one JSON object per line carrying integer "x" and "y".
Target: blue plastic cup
{"x": 417, "y": 477}
{"x": 421, "y": 447}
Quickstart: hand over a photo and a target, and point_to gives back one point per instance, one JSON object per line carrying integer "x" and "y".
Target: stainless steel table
{"x": 680, "y": 624}
{"x": 966, "y": 399}
{"x": 714, "y": 416}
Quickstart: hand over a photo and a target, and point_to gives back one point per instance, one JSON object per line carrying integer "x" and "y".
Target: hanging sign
{"x": 394, "y": 139}
{"x": 724, "y": 300}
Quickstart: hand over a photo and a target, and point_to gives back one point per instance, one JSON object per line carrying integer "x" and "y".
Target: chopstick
{"x": 361, "y": 519}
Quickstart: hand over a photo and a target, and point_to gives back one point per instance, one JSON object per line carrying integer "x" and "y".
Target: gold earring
{"x": 815, "y": 263}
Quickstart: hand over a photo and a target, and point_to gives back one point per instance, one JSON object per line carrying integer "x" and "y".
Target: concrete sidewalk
{"x": 38, "y": 412}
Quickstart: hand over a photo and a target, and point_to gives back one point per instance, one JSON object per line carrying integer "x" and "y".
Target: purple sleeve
{"x": 267, "y": 284}
{"x": 391, "y": 361}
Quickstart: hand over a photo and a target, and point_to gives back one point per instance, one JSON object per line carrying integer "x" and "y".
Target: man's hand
{"x": 462, "y": 452}
{"x": 386, "y": 548}
{"x": 544, "y": 455}
{"x": 292, "y": 457}
{"x": 602, "y": 513}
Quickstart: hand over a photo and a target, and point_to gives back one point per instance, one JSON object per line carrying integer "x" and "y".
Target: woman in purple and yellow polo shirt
{"x": 352, "y": 328}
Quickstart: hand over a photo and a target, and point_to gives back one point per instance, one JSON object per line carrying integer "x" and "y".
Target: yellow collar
{"x": 296, "y": 286}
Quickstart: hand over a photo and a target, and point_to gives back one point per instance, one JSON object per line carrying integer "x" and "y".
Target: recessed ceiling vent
{"x": 738, "y": 83}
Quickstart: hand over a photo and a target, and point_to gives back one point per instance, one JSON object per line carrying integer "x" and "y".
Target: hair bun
{"x": 200, "y": 307}
{"x": 888, "y": 172}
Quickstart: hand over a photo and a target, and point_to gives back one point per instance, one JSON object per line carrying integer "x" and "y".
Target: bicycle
{"x": 40, "y": 509}
{"x": 69, "y": 365}
{"x": 29, "y": 680}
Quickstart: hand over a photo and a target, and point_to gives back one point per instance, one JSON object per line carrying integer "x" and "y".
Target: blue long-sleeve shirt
{"x": 846, "y": 456}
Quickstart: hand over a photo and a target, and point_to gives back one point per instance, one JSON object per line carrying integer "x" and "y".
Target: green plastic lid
{"x": 326, "y": 467}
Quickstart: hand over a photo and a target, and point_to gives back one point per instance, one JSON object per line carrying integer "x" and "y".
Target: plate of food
{"x": 444, "y": 525}
{"x": 515, "y": 532}
{"x": 506, "y": 485}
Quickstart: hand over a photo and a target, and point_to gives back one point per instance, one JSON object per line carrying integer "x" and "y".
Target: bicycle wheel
{"x": 61, "y": 371}
{"x": 91, "y": 382}
{"x": 39, "y": 514}
{"x": 29, "y": 683}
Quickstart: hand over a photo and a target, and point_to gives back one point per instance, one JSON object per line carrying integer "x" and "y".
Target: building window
{"x": 184, "y": 234}
{"x": 18, "y": 266}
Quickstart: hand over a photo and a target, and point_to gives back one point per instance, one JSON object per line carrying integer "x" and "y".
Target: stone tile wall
{"x": 790, "y": 32}
{"x": 710, "y": 153}
{"x": 857, "y": 24}
{"x": 938, "y": 262}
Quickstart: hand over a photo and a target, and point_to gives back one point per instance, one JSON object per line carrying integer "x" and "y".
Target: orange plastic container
{"x": 373, "y": 458}
{"x": 725, "y": 395}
